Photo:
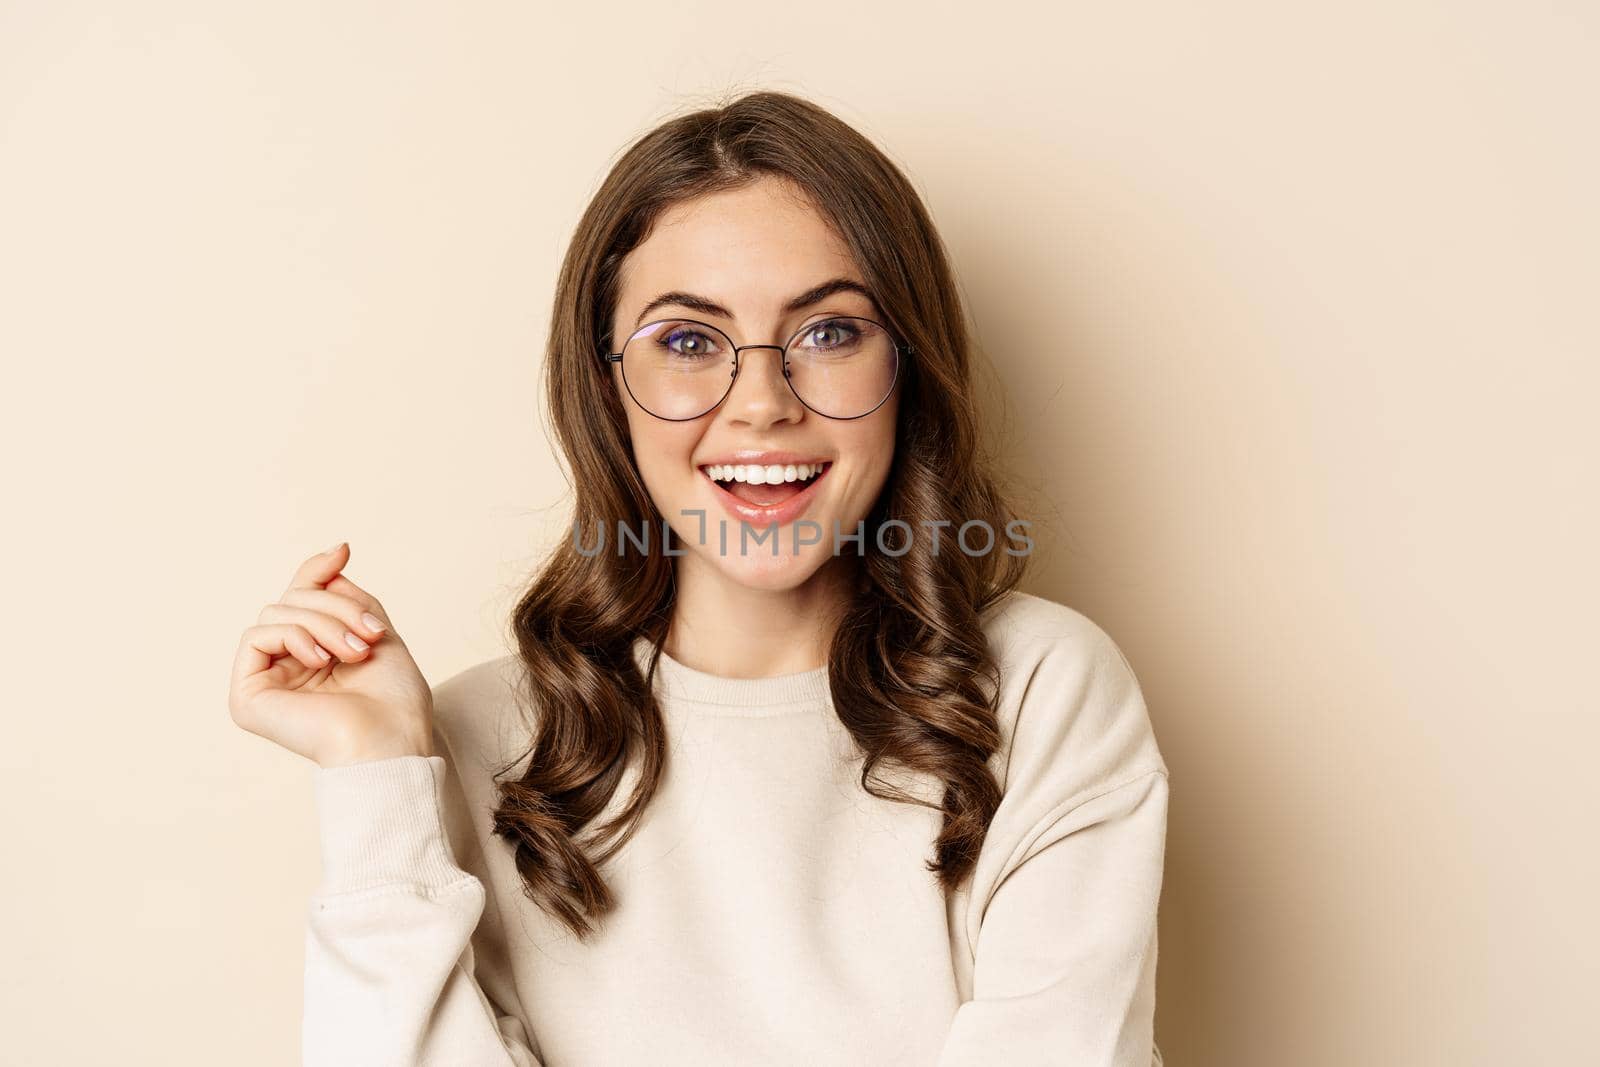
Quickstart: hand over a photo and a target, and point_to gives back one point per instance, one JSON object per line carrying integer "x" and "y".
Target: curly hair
{"x": 909, "y": 669}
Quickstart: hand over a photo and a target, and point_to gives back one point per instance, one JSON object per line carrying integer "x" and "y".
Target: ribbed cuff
{"x": 380, "y": 824}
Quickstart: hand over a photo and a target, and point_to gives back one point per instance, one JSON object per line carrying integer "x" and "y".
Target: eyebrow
{"x": 705, "y": 306}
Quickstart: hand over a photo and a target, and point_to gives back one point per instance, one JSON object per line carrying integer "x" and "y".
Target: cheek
{"x": 662, "y": 450}
{"x": 868, "y": 475}
{"x": 877, "y": 442}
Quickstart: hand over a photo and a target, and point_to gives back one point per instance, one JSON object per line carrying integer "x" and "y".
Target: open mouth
{"x": 768, "y": 486}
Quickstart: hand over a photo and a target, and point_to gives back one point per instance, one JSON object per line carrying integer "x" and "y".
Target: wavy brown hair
{"x": 910, "y": 671}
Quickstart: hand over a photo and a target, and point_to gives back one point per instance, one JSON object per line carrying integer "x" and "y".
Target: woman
{"x": 785, "y": 769}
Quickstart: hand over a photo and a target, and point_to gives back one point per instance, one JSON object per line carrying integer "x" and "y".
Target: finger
{"x": 260, "y": 646}
{"x": 329, "y": 630}
{"x": 355, "y": 616}
{"x": 315, "y": 572}
{"x": 345, "y": 587}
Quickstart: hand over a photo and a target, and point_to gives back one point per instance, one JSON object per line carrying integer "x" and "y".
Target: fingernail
{"x": 372, "y": 621}
{"x": 354, "y": 642}
{"x": 323, "y": 654}
{"x": 334, "y": 549}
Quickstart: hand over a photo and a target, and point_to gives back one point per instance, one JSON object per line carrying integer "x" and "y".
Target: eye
{"x": 688, "y": 342}
{"x": 833, "y": 333}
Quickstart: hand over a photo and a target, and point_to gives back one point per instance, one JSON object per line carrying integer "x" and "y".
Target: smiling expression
{"x": 758, "y": 263}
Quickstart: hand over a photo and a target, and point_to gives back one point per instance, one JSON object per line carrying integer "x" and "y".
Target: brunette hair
{"x": 911, "y": 675}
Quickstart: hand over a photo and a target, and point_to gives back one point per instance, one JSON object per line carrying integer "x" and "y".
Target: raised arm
{"x": 389, "y": 973}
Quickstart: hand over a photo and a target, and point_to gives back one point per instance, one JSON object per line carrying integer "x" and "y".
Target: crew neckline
{"x": 682, "y": 682}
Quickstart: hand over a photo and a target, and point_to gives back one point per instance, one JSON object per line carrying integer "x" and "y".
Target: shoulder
{"x": 490, "y": 679}
{"x": 1071, "y": 712}
{"x": 1023, "y": 623}
{"x": 477, "y": 713}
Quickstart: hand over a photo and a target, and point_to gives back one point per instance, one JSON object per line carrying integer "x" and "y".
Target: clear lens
{"x": 677, "y": 369}
{"x": 841, "y": 367}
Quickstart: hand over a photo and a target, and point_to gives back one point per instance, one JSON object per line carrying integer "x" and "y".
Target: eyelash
{"x": 828, "y": 321}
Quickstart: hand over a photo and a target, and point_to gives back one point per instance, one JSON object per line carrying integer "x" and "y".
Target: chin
{"x": 768, "y": 573}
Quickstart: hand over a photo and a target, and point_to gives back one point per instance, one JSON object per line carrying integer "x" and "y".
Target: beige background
{"x": 1291, "y": 315}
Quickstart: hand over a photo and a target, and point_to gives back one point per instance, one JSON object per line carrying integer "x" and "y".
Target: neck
{"x": 723, "y": 627}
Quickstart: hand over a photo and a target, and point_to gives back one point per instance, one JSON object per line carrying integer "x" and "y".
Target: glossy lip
{"x": 779, "y": 514}
{"x": 749, "y": 456}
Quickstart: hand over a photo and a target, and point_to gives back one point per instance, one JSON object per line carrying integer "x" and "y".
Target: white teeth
{"x": 756, "y": 474}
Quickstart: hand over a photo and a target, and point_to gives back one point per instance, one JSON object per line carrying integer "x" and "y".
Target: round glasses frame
{"x": 900, "y": 350}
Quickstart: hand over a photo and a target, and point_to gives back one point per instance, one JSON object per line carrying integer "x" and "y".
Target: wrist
{"x": 369, "y": 752}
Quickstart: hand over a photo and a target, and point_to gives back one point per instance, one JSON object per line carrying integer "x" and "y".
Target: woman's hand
{"x": 301, "y": 683}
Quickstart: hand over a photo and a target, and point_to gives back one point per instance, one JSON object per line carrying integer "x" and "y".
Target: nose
{"x": 761, "y": 394}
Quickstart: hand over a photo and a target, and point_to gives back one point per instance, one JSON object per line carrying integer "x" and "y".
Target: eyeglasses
{"x": 841, "y": 367}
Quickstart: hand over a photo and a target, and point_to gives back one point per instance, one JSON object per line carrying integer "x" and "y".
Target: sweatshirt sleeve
{"x": 389, "y": 956}
{"x": 1064, "y": 945}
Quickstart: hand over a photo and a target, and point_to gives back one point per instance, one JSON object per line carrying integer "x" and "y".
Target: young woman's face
{"x": 738, "y": 260}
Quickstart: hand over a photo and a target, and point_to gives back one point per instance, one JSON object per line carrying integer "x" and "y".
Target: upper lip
{"x": 755, "y": 457}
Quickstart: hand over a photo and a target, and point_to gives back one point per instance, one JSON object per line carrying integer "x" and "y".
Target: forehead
{"x": 750, "y": 248}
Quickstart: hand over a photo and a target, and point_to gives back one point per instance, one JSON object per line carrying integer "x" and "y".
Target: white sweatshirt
{"x": 771, "y": 910}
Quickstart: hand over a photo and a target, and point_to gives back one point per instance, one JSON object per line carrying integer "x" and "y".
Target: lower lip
{"x": 778, "y": 514}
